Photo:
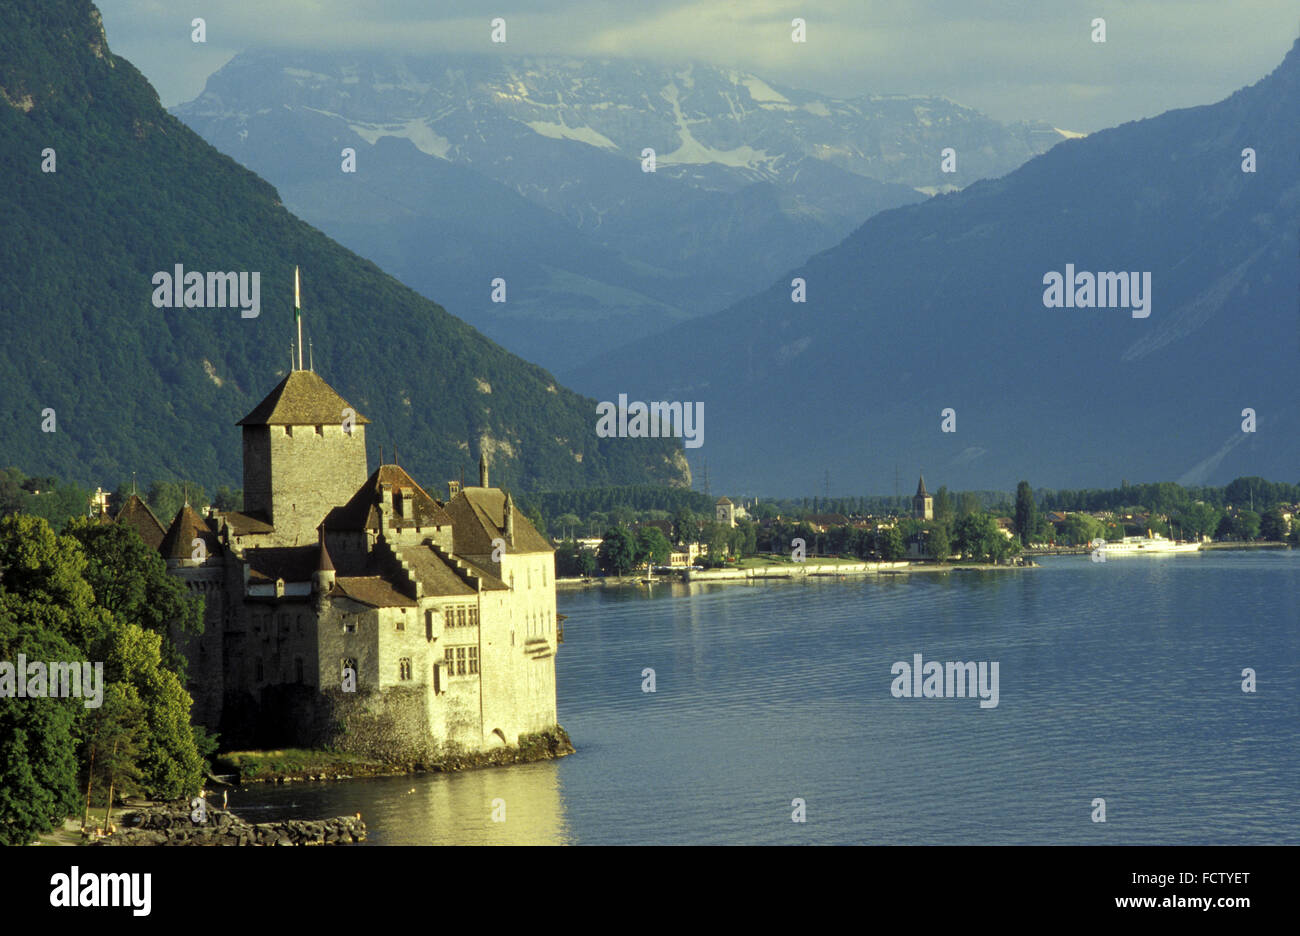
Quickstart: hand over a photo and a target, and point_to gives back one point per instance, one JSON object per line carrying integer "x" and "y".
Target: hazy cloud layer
{"x": 1014, "y": 59}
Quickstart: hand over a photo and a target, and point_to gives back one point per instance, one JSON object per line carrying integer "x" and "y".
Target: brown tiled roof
{"x": 362, "y": 511}
{"x": 291, "y": 563}
{"x": 301, "y": 399}
{"x": 722, "y": 500}
{"x": 478, "y": 517}
{"x": 490, "y": 580}
{"x": 242, "y": 524}
{"x": 372, "y": 590}
{"x": 436, "y": 576}
{"x": 180, "y": 536}
{"x": 135, "y": 513}
{"x": 323, "y": 563}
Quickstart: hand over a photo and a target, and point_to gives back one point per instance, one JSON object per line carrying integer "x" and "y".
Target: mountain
{"x": 470, "y": 167}
{"x": 135, "y": 387}
{"x": 942, "y": 305}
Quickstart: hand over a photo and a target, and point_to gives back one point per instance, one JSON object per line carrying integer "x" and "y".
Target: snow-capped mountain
{"x": 470, "y": 168}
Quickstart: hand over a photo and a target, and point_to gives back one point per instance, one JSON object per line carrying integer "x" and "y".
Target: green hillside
{"x": 158, "y": 391}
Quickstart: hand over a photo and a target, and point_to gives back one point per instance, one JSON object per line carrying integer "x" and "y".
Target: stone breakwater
{"x": 173, "y": 824}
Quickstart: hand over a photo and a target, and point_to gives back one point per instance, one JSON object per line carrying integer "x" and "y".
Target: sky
{"x": 1013, "y": 60}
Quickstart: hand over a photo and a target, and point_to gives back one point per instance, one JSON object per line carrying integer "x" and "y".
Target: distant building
{"x": 922, "y": 502}
{"x": 725, "y": 511}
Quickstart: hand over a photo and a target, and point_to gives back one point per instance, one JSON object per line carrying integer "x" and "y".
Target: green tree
{"x": 111, "y": 745}
{"x": 1197, "y": 520}
{"x": 938, "y": 545}
{"x": 1080, "y": 529}
{"x": 686, "y": 526}
{"x": 889, "y": 544}
{"x": 617, "y": 554}
{"x": 226, "y": 499}
{"x": 165, "y": 498}
{"x": 967, "y": 503}
{"x": 1273, "y": 525}
{"x": 1245, "y": 526}
{"x": 130, "y": 580}
{"x": 942, "y": 504}
{"x": 566, "y": 524}
{"x": 169, "y": 761}
{"x": 1026, "y": 519}
{"x": 38, "y": 768}
{"x": 652, "y": 546}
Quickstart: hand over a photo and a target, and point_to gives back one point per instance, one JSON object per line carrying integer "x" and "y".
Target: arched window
{"x": 404, "y": 668}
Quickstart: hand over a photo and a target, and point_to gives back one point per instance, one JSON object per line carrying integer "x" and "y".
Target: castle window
{"x": 404, "y": 668}
{"x": 297, "y": 669}
{"x": 473, "y": 660}
{"x": 288, "y": 430}
{"x": 437, "y": 678}
{"x": 460, "y": 661}
{"x": 460, "y": 617}
{"x": 473, "y": 617}
{"x": 401, "y": 623}
{"x": 450, "y": 658}
{"x": 320, "y": 430}
{"x": 349, "y": 627}
{"x": 349, "y": 665}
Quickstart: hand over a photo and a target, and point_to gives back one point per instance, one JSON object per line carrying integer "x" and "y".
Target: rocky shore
{"x": 173, "y": 824}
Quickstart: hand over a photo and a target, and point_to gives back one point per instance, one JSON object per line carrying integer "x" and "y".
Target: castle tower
{"x": 922, "y": 503}
{"x": 304, "y": 453}
{"x": 725, "y": 511}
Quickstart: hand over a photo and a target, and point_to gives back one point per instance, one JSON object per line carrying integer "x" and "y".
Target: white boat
{"x": 1149, "y": 545}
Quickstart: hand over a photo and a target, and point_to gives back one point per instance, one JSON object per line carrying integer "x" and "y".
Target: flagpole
{"x": 297, "y": 314}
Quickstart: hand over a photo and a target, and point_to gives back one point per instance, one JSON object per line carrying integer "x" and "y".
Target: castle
{"x": 349, "y": 608}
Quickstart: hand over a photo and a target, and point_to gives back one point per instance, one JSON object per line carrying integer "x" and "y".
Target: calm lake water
{"x": 1120, "y": 680}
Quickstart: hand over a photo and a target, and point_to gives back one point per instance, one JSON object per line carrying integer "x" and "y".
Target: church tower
{"x": 922, "y": 503}
{"x": 304, "y": 453}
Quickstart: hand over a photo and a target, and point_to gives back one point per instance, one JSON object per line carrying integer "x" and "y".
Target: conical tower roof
{"x": 301, "y": 399}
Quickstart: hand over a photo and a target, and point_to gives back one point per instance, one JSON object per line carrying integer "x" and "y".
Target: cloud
{"x": 1016, "y": 59}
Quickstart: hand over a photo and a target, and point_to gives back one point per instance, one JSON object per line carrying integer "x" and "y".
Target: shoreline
{"x": 251, "y": 767}
{"x": 789, "y": 571}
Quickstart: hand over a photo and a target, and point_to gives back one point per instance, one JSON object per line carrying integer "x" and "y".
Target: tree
{"x": 165, "y": 498}
{"x": 686, "y": 526}
{"x": 938, "y": 546}
{"x": 112, "y": 744}
{"x": 967, "y": 504}
{"x": 38, "y": 768}
{"x": 1245, "y": 526}
{"x": 130, "y": 580}
{"x": 566, "y": 523}
{"x": 1198, "y": 520}
{"x": 1080, "y": 529}
{"x": 942, "y": 504}
{"x": 226, "y": 499}
{"x": 617, "y": 554}
{"x": 652, "y": 546}
{"x": 1026, "y": 519}
{"x": 1273, "y": 525}
{"x": 889, "y": 544}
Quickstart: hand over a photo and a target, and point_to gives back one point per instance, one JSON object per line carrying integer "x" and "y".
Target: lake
{"x": 1119, "y": 680}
